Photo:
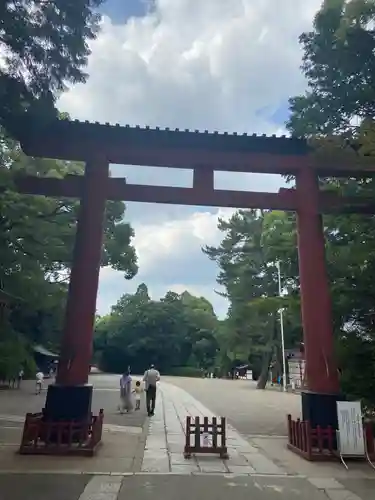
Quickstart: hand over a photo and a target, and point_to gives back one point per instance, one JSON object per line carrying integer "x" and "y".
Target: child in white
{"x": 39, "y": 382}
{"x": 137, "y": 394}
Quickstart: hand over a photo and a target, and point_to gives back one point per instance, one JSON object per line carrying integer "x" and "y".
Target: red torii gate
{"x": 98, "y": 145}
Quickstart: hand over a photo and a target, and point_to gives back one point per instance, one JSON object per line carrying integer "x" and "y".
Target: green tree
{"x": 339, "y": 63}
{"x": 45, "y": 47}
{"x": 128, "y": 302}
{"x": 201, "y": 341}
{"x": 37, "y": 233}
{"x": 177, "y": 331}
{"x": 247, "y": 259}
{"x": 36, "y": 242}
{"x": 337, "y": 115}
{"x": 14, "y": 354}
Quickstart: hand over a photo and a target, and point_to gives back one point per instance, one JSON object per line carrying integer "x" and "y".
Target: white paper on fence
{"x": 206, "y": 440}
{"x": 352, "y": 441}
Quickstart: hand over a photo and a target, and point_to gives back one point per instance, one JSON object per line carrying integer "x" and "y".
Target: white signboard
{"x": 352, "y": 441}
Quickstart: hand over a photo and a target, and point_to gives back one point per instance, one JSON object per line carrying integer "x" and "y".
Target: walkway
{"x": 250, "y": 411}
{"x": 166, "y": 439}
{"x": 259, "y": 468}
{"x": 248, "y": 463}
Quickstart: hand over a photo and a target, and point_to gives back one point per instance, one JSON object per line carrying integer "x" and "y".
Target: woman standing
{"x": 126, "y": 392}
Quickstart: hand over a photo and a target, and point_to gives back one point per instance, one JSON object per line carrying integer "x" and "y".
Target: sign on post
{"x": 352, "y": 440}
{"x": 350, "y": 432}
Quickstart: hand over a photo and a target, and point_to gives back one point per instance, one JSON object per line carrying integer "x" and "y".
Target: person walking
{"x": 138, "y": 389}
{"x": 150, "y": 378}
{"x": 39, "y": 382}
{"x": 20, "y": 378}
{"x": 126, "y": 403}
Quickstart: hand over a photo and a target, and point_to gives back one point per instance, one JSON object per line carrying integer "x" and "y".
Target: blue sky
{"x": 120, "y": 11}
{"x": 227, "y": 65}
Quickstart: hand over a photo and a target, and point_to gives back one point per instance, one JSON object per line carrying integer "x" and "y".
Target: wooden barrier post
{"x": 214, "y": 432}
{"x": 187, "y": 453}
{"x": 224, "y": 450}
{"x": 197, "y": 434}
{"x": 206, "y": 429}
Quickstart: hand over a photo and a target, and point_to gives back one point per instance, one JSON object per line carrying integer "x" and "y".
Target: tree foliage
{"x": 247, "y": 259}
{"x": 36, "y": 244}
{"x": 44, "y": 47}
{"x": 336, "y": 115}
{"x": 339, "y": 64}
{"x": 176, "y": 331}
{"x": 337, "y": 112}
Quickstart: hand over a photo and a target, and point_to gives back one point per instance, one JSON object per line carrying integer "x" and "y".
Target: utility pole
{"x": 281, "y": 312}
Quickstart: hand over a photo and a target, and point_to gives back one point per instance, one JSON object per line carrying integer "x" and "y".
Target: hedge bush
{"x": 186, "y": 371}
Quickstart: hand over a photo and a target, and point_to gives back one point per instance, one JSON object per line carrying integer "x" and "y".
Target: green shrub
{"x": 186, "y": 371}
{"x": 357, "y": 361}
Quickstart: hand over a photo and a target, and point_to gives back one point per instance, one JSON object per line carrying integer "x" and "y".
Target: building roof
{"x": 242, "y": 367}
{"x": 44, "y": 352}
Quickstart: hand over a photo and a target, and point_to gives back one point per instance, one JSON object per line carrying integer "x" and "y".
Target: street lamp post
{"x": 281, "y": 312}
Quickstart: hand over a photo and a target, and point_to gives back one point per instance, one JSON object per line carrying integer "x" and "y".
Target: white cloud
{"x": 194, "y": 64}
{"x": 212, "y": 64}
{"x": 170, "y": 258}
{"x": 164, "y": 242}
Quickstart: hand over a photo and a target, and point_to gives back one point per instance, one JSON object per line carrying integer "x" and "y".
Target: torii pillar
{"x": 319, "y": 400}
{"x": 70, "y": 398}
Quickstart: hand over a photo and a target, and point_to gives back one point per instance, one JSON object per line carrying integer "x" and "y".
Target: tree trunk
{"x": 267, "y": 358}
{"x": 263, "y": 379}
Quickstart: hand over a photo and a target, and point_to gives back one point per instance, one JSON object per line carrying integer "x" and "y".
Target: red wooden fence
{"x": 320, "y": 443}
{"x": 41, "y": 437}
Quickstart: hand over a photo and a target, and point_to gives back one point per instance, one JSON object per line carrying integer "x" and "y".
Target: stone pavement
{"x": 106, "y": 395}
{"x": 247, "y": 457}
{"x": 120, "y": 453}
{"x": 161, "y": 487}
{"x": 250, "y": 411}
{"x": 123, "y": 435}
{"x": 136, "y": 462}
{"x": 166, "y": 439}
